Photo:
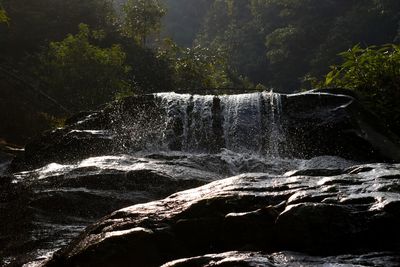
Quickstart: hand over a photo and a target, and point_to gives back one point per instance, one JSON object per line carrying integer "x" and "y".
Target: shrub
{"x": 374, "y": 73}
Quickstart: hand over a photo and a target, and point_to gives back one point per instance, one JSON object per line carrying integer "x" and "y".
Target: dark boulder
{"x": 321, "y": 123}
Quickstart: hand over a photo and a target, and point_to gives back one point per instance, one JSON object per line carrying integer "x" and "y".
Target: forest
{"x": 59, "y": 57}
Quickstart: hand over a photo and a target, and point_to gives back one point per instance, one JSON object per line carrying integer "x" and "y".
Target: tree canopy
{"x": 81, "y": 74}
{"x": 142, "y": 18}
{"x": 280, "y": 42}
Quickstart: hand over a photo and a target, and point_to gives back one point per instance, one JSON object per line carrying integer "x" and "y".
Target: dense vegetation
{"x": 374, "y": 73}
{"x": 279, "y": 43}
{"x": 62, "y": 56}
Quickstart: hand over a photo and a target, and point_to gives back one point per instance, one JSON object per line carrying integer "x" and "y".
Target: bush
{"x": 374, "y": 73}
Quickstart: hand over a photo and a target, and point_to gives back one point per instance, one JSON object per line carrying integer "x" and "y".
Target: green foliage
{"x": 142, "y": 18}
{"x": 367, "y": 69}
{"x": 374, "y": 72}
{"x": 34, "y": 23}
{"x": 279, "y": 42}
{"x": 80, "y": 74}
{"x": 3, "y": 16}
{"x": 232, "y": 27}
{"x": 196, "y": 67}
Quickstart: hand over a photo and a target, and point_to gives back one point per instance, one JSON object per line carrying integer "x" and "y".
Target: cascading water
{"x": 277, "y": 136}
{"x": 243, "y": 122}
{"x": 175, "y": 106}
{"x": 240, "y": 123}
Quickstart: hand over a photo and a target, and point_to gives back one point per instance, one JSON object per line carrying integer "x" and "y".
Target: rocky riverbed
{"x": 179, "y": 180}
{"x": 315, "y": 211}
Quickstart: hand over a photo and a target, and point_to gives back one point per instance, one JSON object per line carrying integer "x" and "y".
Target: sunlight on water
{"x": 249, "y": 123}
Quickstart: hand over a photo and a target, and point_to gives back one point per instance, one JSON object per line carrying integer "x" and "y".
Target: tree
{"x": 80, "y": 74}
{"x": 231, "y": 26}
{"x": 195, "y": 68}
{"x": 142, "y": 18}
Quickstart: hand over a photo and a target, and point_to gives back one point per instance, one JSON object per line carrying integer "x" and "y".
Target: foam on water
{"x": 248, "y": 123}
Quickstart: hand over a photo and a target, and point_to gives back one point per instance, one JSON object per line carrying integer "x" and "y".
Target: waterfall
{"x": 242, "y": 122}
{"x": 276, "y": 134}
{"x": 248, "y": 123}
{"x": 175, "y": 106}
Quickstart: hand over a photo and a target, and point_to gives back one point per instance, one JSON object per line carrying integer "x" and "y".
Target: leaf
{"x": 329, "y": 77}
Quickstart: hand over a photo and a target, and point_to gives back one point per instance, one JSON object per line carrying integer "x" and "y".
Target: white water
{"x": 249, "y": 123}
{"x": 243, "y": 122}
{"x": 276, "y": 134}
{"x": 199, "y": 128}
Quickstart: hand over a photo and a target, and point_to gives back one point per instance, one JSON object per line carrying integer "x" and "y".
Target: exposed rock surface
{"x": 321, "y": 123}
{"x": 44, "y": 209}
{"x": 355, "y": 212}
{"x": 286, "y": 259}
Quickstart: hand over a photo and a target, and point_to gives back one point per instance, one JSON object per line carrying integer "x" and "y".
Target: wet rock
{"x": 337, "y": 91}
{"x": 251, "y": 259}
{"x": 15, "y": 216}
{"x": 320, "y": 228}
{"x": 316, "y": 172}
{"x": 63, "y": 146}
{"x": 113, "y": 130}
{"x": 359, "y": 169}
{"x": 325, "y": 123}
{"x": 64, "y": 199}
{"x": 249, "y": 212}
